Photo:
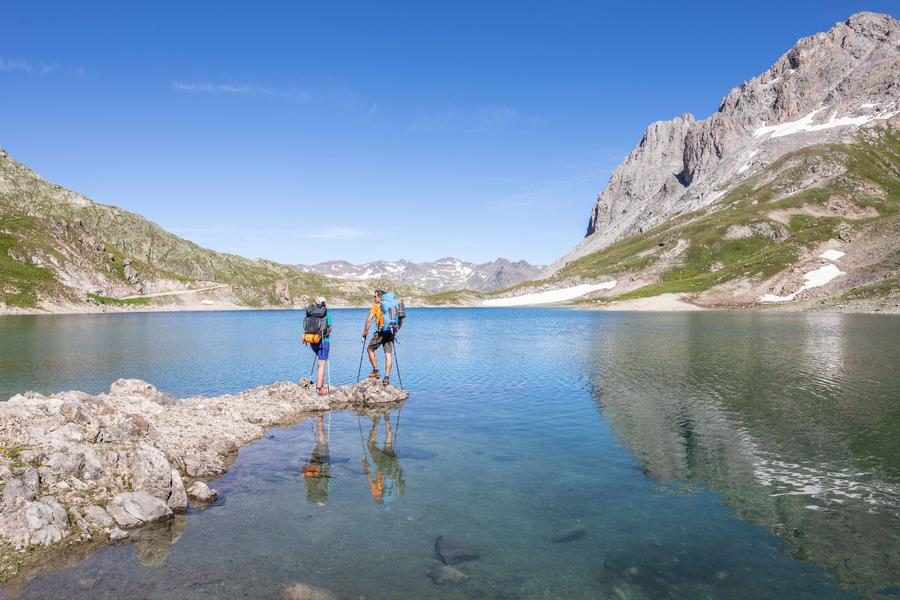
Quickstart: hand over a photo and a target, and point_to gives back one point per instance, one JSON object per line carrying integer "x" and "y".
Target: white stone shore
{"x": 77, "y": 467}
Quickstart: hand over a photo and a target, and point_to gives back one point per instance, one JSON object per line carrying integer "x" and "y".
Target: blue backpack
{"x": 390, "y": 311}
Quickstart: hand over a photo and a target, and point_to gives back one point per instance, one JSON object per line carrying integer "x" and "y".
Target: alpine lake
{"x": 578, "y": 454}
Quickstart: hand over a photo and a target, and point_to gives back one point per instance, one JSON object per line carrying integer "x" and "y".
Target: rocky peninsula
{"x": 78, "y": 468}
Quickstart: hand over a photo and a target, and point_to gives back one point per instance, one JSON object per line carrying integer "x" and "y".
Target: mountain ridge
{"x": 819, "y": 91}
{"x": 61, "y": 251}
{"x": 442, "y": 275}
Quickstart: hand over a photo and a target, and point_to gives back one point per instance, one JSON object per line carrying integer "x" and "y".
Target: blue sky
{"x": 304, "y": 131}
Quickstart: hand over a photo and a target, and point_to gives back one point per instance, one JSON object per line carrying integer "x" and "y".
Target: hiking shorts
{"x": 321, "y": 349}
{"x": 382, "y": 338}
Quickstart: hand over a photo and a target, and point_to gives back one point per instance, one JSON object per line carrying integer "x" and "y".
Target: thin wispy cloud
{"x": 246, "y": 89}
{"x": 10, "y": 65}
{"x": 486, "y": 119}
{"x": 240, "y": 89}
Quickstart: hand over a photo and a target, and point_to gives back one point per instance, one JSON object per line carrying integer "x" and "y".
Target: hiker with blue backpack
{"x": 317, "y": 334}
{"x": 388, "y": 314}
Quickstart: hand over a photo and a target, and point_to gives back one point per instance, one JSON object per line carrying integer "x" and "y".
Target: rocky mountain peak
{"x": 823, "y": 89}
{"x": 444, "y": 274}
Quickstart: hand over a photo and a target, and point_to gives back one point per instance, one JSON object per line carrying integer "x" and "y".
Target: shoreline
{"x": 81, "y": 470}
{"x": 669, "y": 302}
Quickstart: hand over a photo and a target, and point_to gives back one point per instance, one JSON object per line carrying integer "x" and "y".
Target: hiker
{"x": 317, "y": 333}
{"x": 388, "y": 482}
{"x": 385, "y": 328}
{"x": 316, "y": 472}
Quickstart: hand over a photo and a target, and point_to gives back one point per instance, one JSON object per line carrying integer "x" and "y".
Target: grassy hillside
{"x": 767, "y": 224}
{"x": 58, "y": 246}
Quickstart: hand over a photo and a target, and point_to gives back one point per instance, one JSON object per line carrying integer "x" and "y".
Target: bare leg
{"x": 320, "y": 430}
{"x": 373, "y": 433}
{"x": 388, "y": 363}
{"x": 320, "y": 378}
{"x": 373, "y": 360}
{"x": 388, "y": 433}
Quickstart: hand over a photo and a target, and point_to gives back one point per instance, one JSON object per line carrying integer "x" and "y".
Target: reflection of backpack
{"x": 390, "y": 313}
{"x": 315, "y": 324}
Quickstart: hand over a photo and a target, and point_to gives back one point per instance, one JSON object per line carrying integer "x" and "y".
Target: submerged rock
{"x": 568, "y": 535}
{"x": 301, "y": 591}
{"x": 442, "y": 574}
{"x": 451, "y": 551}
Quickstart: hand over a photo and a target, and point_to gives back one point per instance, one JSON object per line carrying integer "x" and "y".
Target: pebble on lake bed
{"x": 301, "y": 591}
{"x": 451, "y": 551}
{"x": 568, "y": 535}
{"x": 442, "y": 574}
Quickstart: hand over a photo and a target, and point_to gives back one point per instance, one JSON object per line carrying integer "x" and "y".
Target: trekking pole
{"x": 313, "y": 368}
{"x": 399, "y": 378}
{"x": 361, "y": 354}
{"x": 328, "y": 368}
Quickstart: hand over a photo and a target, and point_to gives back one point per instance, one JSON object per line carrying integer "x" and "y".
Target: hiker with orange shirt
{"x": 388, "y": 482}
{"x": 382, "y": 337}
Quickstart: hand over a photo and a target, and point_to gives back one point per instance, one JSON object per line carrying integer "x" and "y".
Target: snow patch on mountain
{"x": 441, "y": 275}
{"x": 551, "y": 296}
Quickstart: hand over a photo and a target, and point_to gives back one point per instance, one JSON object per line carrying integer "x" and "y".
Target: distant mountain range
{"x": 441, "y": 275}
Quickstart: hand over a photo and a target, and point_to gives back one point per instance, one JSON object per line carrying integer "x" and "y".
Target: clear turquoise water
{"x": 706, "y": 456}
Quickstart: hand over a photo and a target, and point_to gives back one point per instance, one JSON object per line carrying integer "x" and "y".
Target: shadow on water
{"x": 796, "y": 426}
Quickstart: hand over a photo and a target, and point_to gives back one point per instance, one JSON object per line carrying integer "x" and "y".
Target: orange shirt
{"x": 376, "y": 312}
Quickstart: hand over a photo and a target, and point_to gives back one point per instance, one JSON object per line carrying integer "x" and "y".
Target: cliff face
{"x": 822, "y": 90}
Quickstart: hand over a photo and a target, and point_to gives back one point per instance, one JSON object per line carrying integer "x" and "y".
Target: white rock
{"x": 131, "y": 509}
{"x": 201, "y": 492}
{"x": 178, "y": 500}
{"x": 96, "y": 517}
{"x": 151, "y": 472}
{"x": 47, "y": 521}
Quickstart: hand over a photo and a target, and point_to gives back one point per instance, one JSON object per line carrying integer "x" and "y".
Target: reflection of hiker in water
{"x": 388, "y": 482}
{"x": 317, "y": 471}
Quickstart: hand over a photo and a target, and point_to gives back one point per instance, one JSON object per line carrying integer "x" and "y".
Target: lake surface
{"x": 711, "y": 455}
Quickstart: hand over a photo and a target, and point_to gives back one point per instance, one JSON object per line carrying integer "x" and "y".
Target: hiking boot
{"x": 373, "y": 374}
{"x": 387, "y": 380}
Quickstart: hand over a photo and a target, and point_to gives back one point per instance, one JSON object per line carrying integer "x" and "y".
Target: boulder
{"x": 151, "y": 472}
{"x": 116, "y": 535}
{"x": 178, "y": 500}
{"x": 97, "y": 518}
{"x": 15, "y": 491}
{"x": 46, "y": 521}
{"x": 201, "y": 492}
{"x": 135, "y": 388}
{"x": 131, "y": 509}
